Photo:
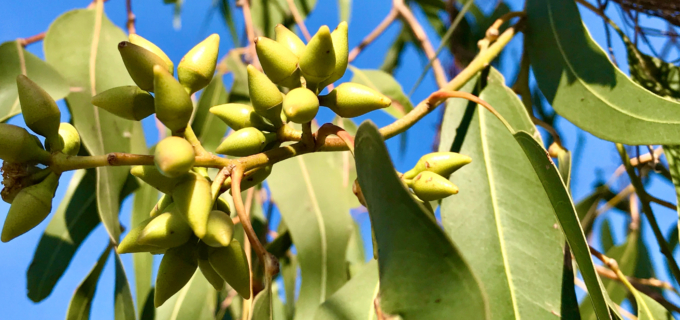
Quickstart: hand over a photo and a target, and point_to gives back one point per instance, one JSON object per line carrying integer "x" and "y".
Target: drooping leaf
{"x": 356, "y": 257}
{"x": 266, "y": 14}
{"x": 227, "y": 15}
{"x": 309, "y": 193}
{"x": 566, "y": 215}
{"x": 384, "y": 83}
{"x": 81, "y": 302}
{"x": 196, "y": 301}
{"x": 414, "y": 252}
{"x": 262, "y": 304}
{"x": 502, "y": 207}
{"x": 355, "y": 299}
{"x": 73, "y": 221}
{"x": 394, "y": 53}
{"x": 239, "y": 89}
{"x": 208, "y": 128}
{"x": 15, "y": 60}
{"x": 584, "y": 87}
{"x": 650, "y": 309}
{"x": 673, "y": 156}
{"x": 652, "y": 73}
{"x": 289, "y": 272}
{"x": 124, "y": 308}
{"x": 81, "y": 45}
{"x": 569, "y": 308}
{"x": 345, "y": 9}
{"x": 606, "y": 238}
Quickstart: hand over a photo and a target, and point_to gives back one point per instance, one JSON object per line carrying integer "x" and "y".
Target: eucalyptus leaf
{"x": 583, "y": 85}
{"x": 673, "y": 156}
{"x": 81, "y": 302}
{"x": 413, "y": 252}
{"x": 15, "y": 60}
{"x": 124, "y": 308}
{"x": 356, "y": 256}
{"x": 266, "y": 14}
{"x": 262, "y": 304}
{"x": 516, "y": 242}
{"x": 196, "y": 301}
{"x": 209, "y": 128}
{"x": 355, "y": 299}
{"x": 650, "y": 309}
{"x": 345, "y": 9}
{"x": 81, "y": 45}
{"x": 308, "y": 191}
{"x": 384, "y": 83}
{"x": 239, "y": 89}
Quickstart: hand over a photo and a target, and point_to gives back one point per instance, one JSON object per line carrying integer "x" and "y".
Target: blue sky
{"x": 155, "y": 22}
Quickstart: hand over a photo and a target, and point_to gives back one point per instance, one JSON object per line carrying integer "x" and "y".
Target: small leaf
{"x": 414, "y": 253}
{"x": 355, "y": 299}
{"x": 15, "y": 60}
{"x": 124, "y": 308}
{"x": 584, "y": 87}
{"x": 196, "y": 301}
{"x": 209, "y": 128}
{"x": 384, "y": 83}
{"x": 81, "y": 302}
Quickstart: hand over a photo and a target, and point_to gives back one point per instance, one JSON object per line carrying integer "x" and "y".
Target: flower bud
{"x": 166, "y": 230}
{"x": 30, "y": 207}
{"x": 69, "y": 139}
{"x": 350, "y": 100}
{"x": 193, "y": 198}
{"x": 220, "y": 229}
{"x": 172, "y": 103}
{"x": 161, "y": 205}
{"x": 318, "y": 60}
{"x": 245, "y": 142}
{"x": 19, "y": 146}
{"x": 129, "y": 243}
{"x": 341, "y": 47}
{"x": 264, "y": 95}
{"x": 128, "y": 102}
{"x": 207, "y": 270}
{"x": 251, "y": 178}
{"x": 441, "y": 163}
{"x": 429, "y": 186}
{"x": 231, "y": 264}
{"x": 300, "y": 105}
{"x": 197, "y": 67}
{"x": 174, "y": 156}
{"x": 277, "y": 61}
{"x": 289, "y": 39}
{"x": 39, "y": 110}
{"x": 139, "y": 63}
{"x": 155, "y": 178}
{"x": 238, "y": 116}
{"x": 148, "y": 45}
{"x": 177, "y": 267}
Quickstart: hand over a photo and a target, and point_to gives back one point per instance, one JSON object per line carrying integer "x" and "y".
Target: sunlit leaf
{"x": 196, "y": 301}
{"x": 124, "y": 308}
{"x": 209, "y": 128}
{"x": 355, "y": 299}
{"x": 81, "y": 302}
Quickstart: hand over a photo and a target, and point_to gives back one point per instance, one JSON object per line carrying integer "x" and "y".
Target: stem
{"x": 250, "y": 31}
{"x": 193, "y": 139}
{"x": 382, "y": 26}
{"x": 647, "y": 209}
{"x": 130, "y": 17}
{"x": 298, "y": 19}
{"x": 32, "y": 39}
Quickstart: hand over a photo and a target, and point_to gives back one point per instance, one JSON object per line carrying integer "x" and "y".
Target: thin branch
{"x": 622, "y": 195}
{"x": 493, "y": 31}
{"x": 250, "y": 31}
{"x": 651, "y": 282}
{"x": 391, "y": 16}
{"x": 579, "y": 283}
{"x": 645, "y": 158}
{"x": 405, "y": 12}
{"x": 662, "y": 202}
{"x": 130, "y": 17}
{"x": 32, "y": 39}
{"x": 298, "y": 19}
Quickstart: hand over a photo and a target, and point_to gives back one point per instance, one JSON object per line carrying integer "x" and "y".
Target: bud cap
{"x": 172, "y": 103}
{"x": 197, "y": 67}
{"x": 318, "y": 60}
{"x": 174, "y": 156}
{"x": 429, "y": 186}
{"x": 300, "y": 105}
{"x": 139, "y": 63}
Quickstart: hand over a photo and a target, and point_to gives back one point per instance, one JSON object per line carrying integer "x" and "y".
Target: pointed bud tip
{"x": 123, "y": 44}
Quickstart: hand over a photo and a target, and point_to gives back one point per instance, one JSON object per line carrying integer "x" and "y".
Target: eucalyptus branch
{"x": 298, "y": 19}
{"x": 250, "y": 31}
{"x": 32, "y": 39}
{"x": 651, "y": 282}
{"x": 647, "y": 209}
{"x": 493, "y": 31}
{"x": 130, "y": 17}
{"x": 195, "y": 142}
{"x": 382, "y": 26}
{"x": 662, "y": 202}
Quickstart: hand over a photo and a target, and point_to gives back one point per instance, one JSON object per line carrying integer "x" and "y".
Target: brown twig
{"x": 579, "y": 283}
{"x": 662, "y": 202}
{"x": 32, "y": 39}
{"x": 382, "y": 26}
{"x": 651, "y": 282}
{"x": 250, "y": 31}
{"x": 410, "y": 19}
{"x": 645, "y": 158}
{"x": 328, "y": 129}
{"x": 130, "y": 17}
{"x": 298, "y": 19}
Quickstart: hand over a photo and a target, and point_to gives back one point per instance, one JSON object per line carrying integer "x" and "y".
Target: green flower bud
{"x": 441, "y": 163}
{"x": 207, "y": 270}
{"x": 238, "y": 116}
{"x": 222, "y": 205}
{"x": 69, "y": 139}
{"x": 232, "y": 265}
{"x": 341, "y": 47}
{"x": 350, "y": 100}
{"x": 38, "y": 109}
{"x": 148, "y": 45}
{"x": 19, "y": 146}
{"x": 129, "y": 243}
{"x": 172, "y": 103}
{"x": 29, "y": 208}
{"x": 197, "y": 67}
{"x": 166, "y": 230}
{"x": 251, "y": 178}
{"x": 220, "y": 229}
{"x": 277, "y": 61}
{"x": 174, "y": 156}
{"x": 128, "y": 102}
{"x": 289, "y": 39}
{"x": 177, "y": 267}
{"x": 429, "y": 186}
{"x": 301, "y": 105}
{"x": 139, "y": 63}
{"x": 193, "y": 198}
{"x": 155, "y": 178}
{"x": 245, "y": 142}
{"x": 264, "y": 95}
{"x": 318, "y": 60}
{"x": 161, "y": 205}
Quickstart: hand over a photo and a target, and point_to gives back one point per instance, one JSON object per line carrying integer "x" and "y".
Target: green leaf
{"x": 584, "y": 87}
{"x": 81, "y": 302}
{"x": 266, "y": 14}
{"x": 606, "y": 236}
{"x": 196, "y": 301}
{"x": 356, "y": 257}
{"x": 227, "y": 15}
{"x": 649, "y": 309}
{"x": 384, "y": 83}
{"x": 309, "y": 193}
{"x": 239, "y": 89}
{"x": 394, "y": 53}
{"x": 345, "y": 9}
{"x": 566, "y": 215}
{"x": 262, "y": 304}
{"x": 73, "y": 221}
{"x": 673, "y": 156}
{"x": 209, "y": 128}
{"x": 422, "y": 273}
{"x": 124, "y": 308}
{"x": 81, "y": 45}
{"x": 355, "y": 299}
{"x": 289, "y": 272}
{"x": 569, "y": 309}
{"x": 15, "y": 60}
{"x": 502, "y": 207}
